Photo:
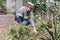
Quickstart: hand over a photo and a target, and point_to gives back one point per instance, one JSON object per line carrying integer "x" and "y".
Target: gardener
{"x": 25, "y": 15}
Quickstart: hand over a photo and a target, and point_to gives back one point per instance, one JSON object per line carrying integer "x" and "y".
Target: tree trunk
{"x": 9, "y": 5}
{"x": 19, "y": 4}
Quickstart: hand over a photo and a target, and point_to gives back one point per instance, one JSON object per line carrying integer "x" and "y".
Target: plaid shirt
{"x": 22, "y": 11}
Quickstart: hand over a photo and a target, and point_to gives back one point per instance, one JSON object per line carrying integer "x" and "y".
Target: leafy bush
{"x": 18, "y": 33}
{"x": 3, "y": 5}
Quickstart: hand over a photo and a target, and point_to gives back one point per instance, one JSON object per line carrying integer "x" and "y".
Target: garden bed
{"x": 5, "y": 22}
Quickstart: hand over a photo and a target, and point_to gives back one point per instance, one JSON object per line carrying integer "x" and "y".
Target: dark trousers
{"x": 20, "y": 20}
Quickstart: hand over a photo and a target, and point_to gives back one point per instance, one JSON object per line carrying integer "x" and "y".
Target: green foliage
{"x": 56, "y": 0}
{"x": 2, "y": 2}
{"x": 23, "y": 31}
{"x": 31, "y": 38}
{"x": 51, "y": 33}
{"x": 18, "y": 33}
{"x": 40, "y": 6}
{"x": 13, "y": 31}
{"x": 3, "y": 5}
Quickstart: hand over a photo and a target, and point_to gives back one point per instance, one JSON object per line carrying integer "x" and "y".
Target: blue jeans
{"x": 20, "y": 20}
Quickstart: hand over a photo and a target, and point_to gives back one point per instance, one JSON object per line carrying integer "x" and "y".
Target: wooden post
{"x": 19, "y": 4}
{"x": 9, "y": 5}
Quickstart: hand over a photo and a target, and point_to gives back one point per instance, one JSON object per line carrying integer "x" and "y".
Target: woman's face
{"x": 29, "y": 8}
